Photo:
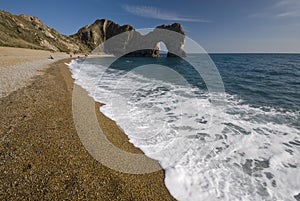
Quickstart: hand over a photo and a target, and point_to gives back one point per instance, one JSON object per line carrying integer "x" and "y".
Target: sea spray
{"x": 245, "y": 149}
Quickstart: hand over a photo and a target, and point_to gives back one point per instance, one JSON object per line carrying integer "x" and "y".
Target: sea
{"x": 222, "y": 126}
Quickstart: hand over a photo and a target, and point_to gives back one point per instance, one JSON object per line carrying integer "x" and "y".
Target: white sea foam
{"x": 210, "y": 152}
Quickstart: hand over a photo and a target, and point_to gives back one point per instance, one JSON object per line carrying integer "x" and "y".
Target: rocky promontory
{"x": 29, "y": 32}
{"x": 129, "y": 42}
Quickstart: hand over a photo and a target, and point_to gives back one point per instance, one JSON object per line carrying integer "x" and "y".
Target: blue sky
{"x": 217, "y": 25}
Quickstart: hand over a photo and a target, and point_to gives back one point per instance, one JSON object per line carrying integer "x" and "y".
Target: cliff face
{"x": 95, "y": 34}
{"x": 172, "y": 35}
{"x": 132, "y": 43}
{"x": 29, "y": 32}
{"x": 174, "y": 39}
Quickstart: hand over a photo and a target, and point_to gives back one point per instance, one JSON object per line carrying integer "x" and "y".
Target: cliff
{"x": 132, "y": 43}
{"x": 29, "y": 32}
{"x": 95, "y": 34}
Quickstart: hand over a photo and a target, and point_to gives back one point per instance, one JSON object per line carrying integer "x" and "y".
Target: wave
{"x": 230, "y": 151}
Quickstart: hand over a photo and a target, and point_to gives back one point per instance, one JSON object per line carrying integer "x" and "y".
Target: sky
{"x": 216, "y": 25}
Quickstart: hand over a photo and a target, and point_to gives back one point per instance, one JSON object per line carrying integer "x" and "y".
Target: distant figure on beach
{"x": 50, "y": 57}
{"x": 71, "y": 56}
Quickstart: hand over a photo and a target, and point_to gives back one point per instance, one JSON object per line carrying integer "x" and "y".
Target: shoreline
{"x": 42, "y": 157}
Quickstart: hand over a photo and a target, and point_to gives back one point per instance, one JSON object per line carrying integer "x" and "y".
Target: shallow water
{"x": 244, "y": 145}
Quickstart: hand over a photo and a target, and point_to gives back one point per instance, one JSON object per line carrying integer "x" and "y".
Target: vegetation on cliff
{"x": 29, "y": 32}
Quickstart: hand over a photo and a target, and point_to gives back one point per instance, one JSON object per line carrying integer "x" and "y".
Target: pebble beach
{"x": 41, "y": 155}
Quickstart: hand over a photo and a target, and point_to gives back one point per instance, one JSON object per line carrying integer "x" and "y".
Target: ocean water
{"x": 240, "y": 144}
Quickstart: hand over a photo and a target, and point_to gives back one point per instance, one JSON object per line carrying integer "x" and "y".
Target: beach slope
{"x": 41, "y": 156}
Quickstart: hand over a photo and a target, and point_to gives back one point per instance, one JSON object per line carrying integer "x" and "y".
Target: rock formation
{"x": 174, "y": 41}
{"x": 128, "y": 42}
{"x": 95, "y": 34}
{"x": 172, "y": 35}
{"x": 29, "y": 32}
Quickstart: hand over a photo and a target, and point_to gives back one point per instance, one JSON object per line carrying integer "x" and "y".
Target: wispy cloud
{"x": 280, "y": 9}
{"x": 289, "y": 14}
{"x": 155, "y": 13}
{"x": 288, "y": 8}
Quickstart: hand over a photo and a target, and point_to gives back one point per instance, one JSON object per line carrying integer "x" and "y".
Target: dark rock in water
{"x": 143, "y": 53}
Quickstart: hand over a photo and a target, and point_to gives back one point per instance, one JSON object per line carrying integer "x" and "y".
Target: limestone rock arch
{"x": 134, "y": 44}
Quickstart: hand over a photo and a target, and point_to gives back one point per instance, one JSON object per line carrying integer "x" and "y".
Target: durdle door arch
{"x": 134, "y": 44}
